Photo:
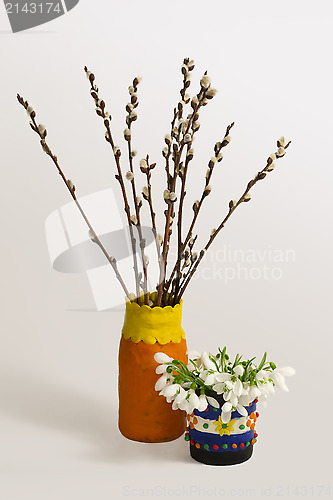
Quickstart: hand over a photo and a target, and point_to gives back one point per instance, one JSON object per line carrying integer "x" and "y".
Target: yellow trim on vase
{"x": 153, "y": 324}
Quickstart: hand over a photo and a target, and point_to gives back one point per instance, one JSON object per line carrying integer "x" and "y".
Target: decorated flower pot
{"x": 143, "y": 415}
{"x": 213, "y": 442}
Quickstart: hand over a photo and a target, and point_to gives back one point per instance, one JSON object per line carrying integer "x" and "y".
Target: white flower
{"x": 227, "y": 407}
{"x": 170, "y": 390}
{"x": 213, "y": 402}
{"x": 161, "y": 383}
{"x": 207, "y": 362}
{"x": 161, "y": 369}
{"x": 239, "y": 370}
{"x": 194, "y": 400}
{"x": 202, "y": 405}
{"x": 129, "y": 176}
{"x": 161, "y": 357}
{"x": 205, "y": 82}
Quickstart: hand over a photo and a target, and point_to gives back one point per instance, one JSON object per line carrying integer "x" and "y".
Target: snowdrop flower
{"x": 278, "y": 376}
{"x": 239, "y": 370}
{"x": 161, "y": 369}
{"x": 161, "y": 357}
{"x": 202, "y": 405}
{"x": 161, "y": 383}
{"x": 170, "y": 390}
{"x": 207, "y": 362}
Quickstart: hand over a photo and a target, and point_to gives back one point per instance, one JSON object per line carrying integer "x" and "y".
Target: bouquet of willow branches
{"x": 177, "y": 155}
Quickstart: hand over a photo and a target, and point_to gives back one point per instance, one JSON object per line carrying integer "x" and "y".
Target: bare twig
{"x": 198, "y": 204}
{"x": 42, "y": 132}
{"x": 130, "y": 118}
{"x": 233, "y": 204}
{"x": 100, "y": 110}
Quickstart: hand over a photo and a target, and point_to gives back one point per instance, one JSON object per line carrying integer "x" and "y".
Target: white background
{"x": 271, "y": 62}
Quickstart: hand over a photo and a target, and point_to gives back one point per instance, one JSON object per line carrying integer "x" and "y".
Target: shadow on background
{"x": 50, "y": 404}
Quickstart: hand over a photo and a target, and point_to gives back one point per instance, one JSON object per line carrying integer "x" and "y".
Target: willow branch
{"x": 245, "y": 197}
{"x": 100, "y": 110}
{"x": 131, "y": 117}
{"x": 41, "y": 132}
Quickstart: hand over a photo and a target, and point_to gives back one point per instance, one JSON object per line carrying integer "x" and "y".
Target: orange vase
{"x": 143, "y": 414}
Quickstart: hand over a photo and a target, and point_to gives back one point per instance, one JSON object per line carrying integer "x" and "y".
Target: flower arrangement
{"x": 177, "y": 156}
{"x": 240, "y": 382}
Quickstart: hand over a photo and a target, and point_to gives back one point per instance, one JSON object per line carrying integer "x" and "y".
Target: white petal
{"x": 194, "y": 400}
{"x": 170, "y": 390}
{"x": 229, "y": 384}
{"x": 188, "y": 407}
{"x": 192, "y": 354}
{"x": 161, "y": 369}
{"x": 245, "y": 400}
{"x": 210, "y": 379}
{"x": 254, "y": 392}
{"x": 227, "y": 407}
{"x": 202, "y": 403}
{"x": 161, "y": 357}
{"x": 287, "y": 371}
{"x": 174, "y": 405}
{"x": 238, "y": 387}
{"x": 222, "y": 377}
{"x": 180, "y": 396}
{"x": 279, "y": 380}
{"x": 212, "y": 402}
{"x": 218, "y": 388}
{"x": 225, "y": 417}
{"x": 239, "y": 370}
{"x": 241, "y": 410}
{"x": 208, "y": 363}
{"x": 227, "y": 395}
{"x": 233, "y": 399}
{"x": 161, "y": 383}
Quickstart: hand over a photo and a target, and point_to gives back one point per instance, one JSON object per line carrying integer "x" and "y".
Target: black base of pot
{"x": 221, "y": 458}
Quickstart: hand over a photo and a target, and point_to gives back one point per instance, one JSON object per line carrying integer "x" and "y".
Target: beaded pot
{"x": 214, "y": 443}
{"x": 143, "y": 414}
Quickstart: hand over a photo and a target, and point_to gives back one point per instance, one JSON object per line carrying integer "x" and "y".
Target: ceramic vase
{"x": 144, "y": 415}
{"x": 213, "y": 442}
